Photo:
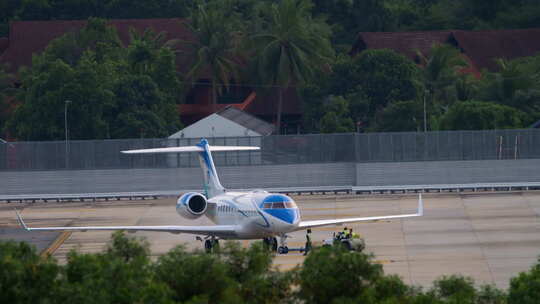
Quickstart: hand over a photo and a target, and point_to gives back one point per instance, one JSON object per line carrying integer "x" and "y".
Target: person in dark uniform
{"x": 308, "y": 242}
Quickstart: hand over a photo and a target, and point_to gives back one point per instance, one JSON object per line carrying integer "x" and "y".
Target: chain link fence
{"x": 276, "y": 150}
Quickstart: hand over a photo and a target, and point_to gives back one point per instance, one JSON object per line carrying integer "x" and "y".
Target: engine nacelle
{"x": 191, "y": 205}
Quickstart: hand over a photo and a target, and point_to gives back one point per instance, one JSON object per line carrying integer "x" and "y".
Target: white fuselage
{"x": 254, "y": 213}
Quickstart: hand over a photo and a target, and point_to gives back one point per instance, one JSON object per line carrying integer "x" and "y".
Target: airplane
{"x": 248, "y": 215}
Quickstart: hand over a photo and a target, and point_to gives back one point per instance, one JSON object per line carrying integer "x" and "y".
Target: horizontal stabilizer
{"x": 191, "y": 149}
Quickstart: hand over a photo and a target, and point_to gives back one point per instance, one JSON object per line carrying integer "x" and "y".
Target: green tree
{"x": 455, "y": 289}
{"x": 252, "y": 269}
{"x": 114, "y": 91}
{"x": 400, "y": 116}
{"x": 332, "y": 273}
{"x": 196, "y": 277}
{"x": 44, "y": 91}
{"x": 440, "y": 71}
{"x": 478, "y": 115}
{"x": 25, "y": 277}
{"x": 347, "y": 18}
{"x": 291, "y": 48}
{"x": 516, "y": 84}
{"x": 121, "y": 274}
{"x": 381, "y": 77}
{"x": 525, "y": 288}
{"x": 215, "y": 48}
{"x": 337, "y": 118}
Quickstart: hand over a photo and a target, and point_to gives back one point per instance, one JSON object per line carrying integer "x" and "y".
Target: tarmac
{"x": 490, "y": 237}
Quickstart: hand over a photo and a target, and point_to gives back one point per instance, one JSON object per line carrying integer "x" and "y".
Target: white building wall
{"x": 214, "y": 126}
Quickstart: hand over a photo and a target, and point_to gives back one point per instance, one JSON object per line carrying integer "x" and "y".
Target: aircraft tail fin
{"x": 212, "y": 185}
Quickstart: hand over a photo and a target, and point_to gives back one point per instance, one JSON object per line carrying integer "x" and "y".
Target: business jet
{"x": 237, "y": 215}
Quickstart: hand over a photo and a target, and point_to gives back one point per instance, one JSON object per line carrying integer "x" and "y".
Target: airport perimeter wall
{"x": 271, "y": 176}
{"x": 378, "y": 159}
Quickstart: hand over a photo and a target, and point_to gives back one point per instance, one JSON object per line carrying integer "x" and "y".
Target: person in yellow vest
{"x": 354, "y": 235}
{"x": 345, "y": 233}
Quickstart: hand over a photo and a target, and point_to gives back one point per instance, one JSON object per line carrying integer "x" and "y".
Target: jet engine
{"x": 191, "y": 205}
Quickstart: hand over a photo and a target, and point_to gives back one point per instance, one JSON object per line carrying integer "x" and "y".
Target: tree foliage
{"x": 114, "y": 92}
{"x": 291, "y": 48}
{"x": 124, "y": 273}
{"x": 215, "y": 49}
{"x": 478, "y": 115}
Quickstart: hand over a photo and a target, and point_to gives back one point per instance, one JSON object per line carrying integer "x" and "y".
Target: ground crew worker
{"x": 308, "y": 242}
{"x": 345, "y": 233}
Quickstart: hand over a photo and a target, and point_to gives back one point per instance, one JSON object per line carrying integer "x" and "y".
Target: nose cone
{"x": 281, "y": 207}
{"x": 289, "y": 216}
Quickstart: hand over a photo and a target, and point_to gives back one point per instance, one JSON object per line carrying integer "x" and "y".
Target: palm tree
{"x": 441, "y": 68}
{"x": 291, "y": 48}
{"x": 215, "y": 48}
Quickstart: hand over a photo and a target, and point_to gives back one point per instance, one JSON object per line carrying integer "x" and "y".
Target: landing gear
{"x": 271, "y": 243}
{"x": 211, "y": 245}
{"x": 283, "y": 249}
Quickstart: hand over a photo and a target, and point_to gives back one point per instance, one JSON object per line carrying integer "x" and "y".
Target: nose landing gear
{"x": 283, "y": 249}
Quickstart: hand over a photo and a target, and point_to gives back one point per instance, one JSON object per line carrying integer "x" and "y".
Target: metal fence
{"x": 275, "y": 150}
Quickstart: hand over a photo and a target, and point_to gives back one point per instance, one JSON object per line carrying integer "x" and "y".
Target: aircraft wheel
{"x": 208, "y": 246}
{"x": 283, "y": 250}
{"x": 274, "y": 244}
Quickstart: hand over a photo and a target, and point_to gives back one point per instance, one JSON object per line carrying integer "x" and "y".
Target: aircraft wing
{"x": 318, "y": 223}
{"x": 217, "y": 230}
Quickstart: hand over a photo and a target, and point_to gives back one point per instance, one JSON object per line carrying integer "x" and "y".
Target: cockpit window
{"x": 278, "y": 205}
{"x": 290, "y": 205}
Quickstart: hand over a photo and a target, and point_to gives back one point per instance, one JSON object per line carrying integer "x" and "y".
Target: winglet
{"x": 420, "y": 205}
{"x": 20, "y": 219}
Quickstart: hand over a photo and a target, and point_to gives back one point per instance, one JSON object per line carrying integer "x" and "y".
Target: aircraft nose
{"x": 290, "y": 216}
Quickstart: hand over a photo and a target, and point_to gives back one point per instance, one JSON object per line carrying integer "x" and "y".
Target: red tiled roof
{"x": 406, "y": 43}
{"x": 481, "y": 47}
{"x": 32, "y": 37}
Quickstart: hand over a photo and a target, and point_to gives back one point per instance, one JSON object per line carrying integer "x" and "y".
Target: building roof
{"x": 480, "y": 47}
{"x": 32, "y": 37}
{"x": 246, "y": 120}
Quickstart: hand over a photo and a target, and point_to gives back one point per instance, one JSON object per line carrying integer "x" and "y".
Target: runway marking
{"x": 56, "y": 244}
{"x": 62, "y": 210}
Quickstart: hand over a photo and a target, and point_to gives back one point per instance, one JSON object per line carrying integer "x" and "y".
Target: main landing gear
{"x": 271, "y": 242}
{"x": 211, "y": 244}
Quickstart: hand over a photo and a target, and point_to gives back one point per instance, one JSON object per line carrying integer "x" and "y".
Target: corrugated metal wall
{"x": 381, "y": 159}
{"x": 278, "y": 150}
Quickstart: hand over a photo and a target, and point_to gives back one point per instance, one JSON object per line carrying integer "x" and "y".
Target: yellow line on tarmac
{"x": 56, "y": 244}
{"x": 383, "y": 261}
